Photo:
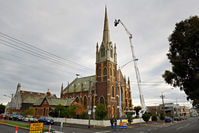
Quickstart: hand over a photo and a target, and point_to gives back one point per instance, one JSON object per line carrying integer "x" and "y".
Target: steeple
{"x": 106, "y": 36}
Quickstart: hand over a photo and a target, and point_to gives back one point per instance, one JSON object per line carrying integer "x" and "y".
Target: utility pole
{"x": 162, "y": 96}
{"x": 89, "y": 106}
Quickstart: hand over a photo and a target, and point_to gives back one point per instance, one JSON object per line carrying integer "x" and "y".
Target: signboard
{"x": 36, "y": 128}
{"x": 123, "y": 124}
{"x": 89, "y": 112}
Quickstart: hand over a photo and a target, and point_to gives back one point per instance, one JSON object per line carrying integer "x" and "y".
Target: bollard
{"x": 16, "y": 131}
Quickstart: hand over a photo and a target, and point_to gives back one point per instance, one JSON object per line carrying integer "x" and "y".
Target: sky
{"x": 70, "y": 30}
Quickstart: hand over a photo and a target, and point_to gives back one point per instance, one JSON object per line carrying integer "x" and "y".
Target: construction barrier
{"x": 163, "y": 125}
{"x": 49, "y": 128}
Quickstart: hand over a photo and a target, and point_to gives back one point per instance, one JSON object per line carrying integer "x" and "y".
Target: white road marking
{"x": 103, "y": 132}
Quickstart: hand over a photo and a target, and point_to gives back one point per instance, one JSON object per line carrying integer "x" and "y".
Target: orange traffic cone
{"x": 171, "y": 123}
{"x": 16, "y": 131}
{"x": 49, "y": 129}
{"x": 163, "y": 124}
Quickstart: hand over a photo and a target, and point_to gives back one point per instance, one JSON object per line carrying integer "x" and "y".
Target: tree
{"x": 183, "y": 56}
{"x": 59, "y": 111}
{"x": 130, "y": 118}
{"x": 162, "y": 117}
{"x": 100, "y": 112}
{"x": 146, "y": 117}
{"x": 137, "y": 109}
{"x": 2, "y": 108}
{"x": 71, "y": 111}
{"x": 154, "y": 117}
{"x": 30, "y": 111}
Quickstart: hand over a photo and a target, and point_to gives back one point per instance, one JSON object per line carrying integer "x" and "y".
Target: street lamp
{"x": 120, "y": 107}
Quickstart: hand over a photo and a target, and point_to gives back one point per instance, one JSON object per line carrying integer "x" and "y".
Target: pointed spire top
{"x": 106, "y": 36}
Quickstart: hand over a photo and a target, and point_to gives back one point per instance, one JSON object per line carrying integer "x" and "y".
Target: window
{"x": 77, "y": 100}
{"x": 85, "y": 101}
{"x": 102, "y": 51}
{"x": 102, "y": 100}
{"x": 44, "y": 113}
{"x": 113, "y": 91}
{"x": 105, "y": 71}
{"x": 111, "y": 52}
{"x": 99, "y": 72}
{"x": 121, "y": 93}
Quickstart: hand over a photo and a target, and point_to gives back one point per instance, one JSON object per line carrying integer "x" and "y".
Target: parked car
{"x": 1, "y": 115}
{"x": 168, "y": 119}
{"x": 30, "y": 119}
{"x": 17, "y": 117}
{"x": 176, "y": 119}
{"x": 46, "y": 120}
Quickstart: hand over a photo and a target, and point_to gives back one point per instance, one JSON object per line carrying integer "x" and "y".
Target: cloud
{"x": 71, "y": 29}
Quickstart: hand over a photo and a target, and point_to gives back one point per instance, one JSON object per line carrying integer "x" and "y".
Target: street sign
{"x": 89, "y": 112}
{"x": 36, "y": 128}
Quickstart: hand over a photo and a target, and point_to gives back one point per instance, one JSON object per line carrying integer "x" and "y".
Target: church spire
{"x": 106, "y": 36}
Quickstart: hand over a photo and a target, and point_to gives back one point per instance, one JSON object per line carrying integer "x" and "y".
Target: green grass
{"x": 16, "y": 124}
{"x": 20, "y": 124}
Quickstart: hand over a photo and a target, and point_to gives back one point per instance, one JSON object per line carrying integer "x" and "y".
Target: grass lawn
{"x": 20, "y": 124}
{"x": 16, "y": 124}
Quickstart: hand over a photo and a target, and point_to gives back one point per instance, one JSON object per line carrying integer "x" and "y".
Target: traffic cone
{"x": 49, "y": 128}
{"x": 163, "y": 124}
{"x": 16, "y": 131}
{"x": 171, "y": 123}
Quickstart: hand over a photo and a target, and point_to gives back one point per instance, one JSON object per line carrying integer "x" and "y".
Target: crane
{"x": 143, "y": 106}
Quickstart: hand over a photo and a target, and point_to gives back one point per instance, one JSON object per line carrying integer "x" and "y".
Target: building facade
{"x": 103, "y": 87}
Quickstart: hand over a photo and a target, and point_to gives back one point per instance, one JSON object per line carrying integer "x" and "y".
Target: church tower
{"x": 106, "y": 72}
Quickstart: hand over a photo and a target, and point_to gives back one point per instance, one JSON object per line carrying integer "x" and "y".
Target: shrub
{"x": 130, "y": 118}
{"x": 100, "y": 112}
{"x": 146, "y": 117}
{"x": 162, "y": 117}
{"x": 154, "y": 117}
{"x": 84, "y": 115}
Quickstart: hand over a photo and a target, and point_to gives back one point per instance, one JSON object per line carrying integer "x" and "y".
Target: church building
{"x": 103, "y": 87}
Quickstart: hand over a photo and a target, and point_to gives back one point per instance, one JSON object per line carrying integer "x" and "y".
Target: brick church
{"x": 103, "y": 87}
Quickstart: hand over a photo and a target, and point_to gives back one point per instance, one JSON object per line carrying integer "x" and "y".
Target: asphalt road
{"x": 10, "y": 129}
{"x": 191, "y": 125}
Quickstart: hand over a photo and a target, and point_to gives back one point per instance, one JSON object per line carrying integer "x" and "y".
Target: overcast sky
{"x": 71, "y": 29}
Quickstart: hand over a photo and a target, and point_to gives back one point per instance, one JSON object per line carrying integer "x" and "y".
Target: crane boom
{"x": 142, "y": 102}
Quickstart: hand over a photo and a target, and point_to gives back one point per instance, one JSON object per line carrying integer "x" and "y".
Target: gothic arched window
{"x": 113, "y": 91}
{"x": 105, "y": 71}
{"x": 102, "y": 100}
{"x": 85, "y": 101}
{"x": 121, "y": 93}
{"x": 102, "y": 51}
{"x": 77, "y": 99}
{"x": 111, "y": 52}
{"x": 99, "y": 72}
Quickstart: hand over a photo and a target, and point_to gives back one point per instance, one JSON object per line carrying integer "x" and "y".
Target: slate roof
{"x": 55, "y": 101}
{"x": 79, "y": 82}
{"x": 32, "y": 97}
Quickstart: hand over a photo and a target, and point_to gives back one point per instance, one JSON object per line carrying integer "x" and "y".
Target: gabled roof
{"x": 32, "y": 97}
{"x": 55, "y": 101}
{"x": 79, "y": 82}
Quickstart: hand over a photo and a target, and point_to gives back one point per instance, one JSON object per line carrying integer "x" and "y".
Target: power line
{"x": 41, "y": 52}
